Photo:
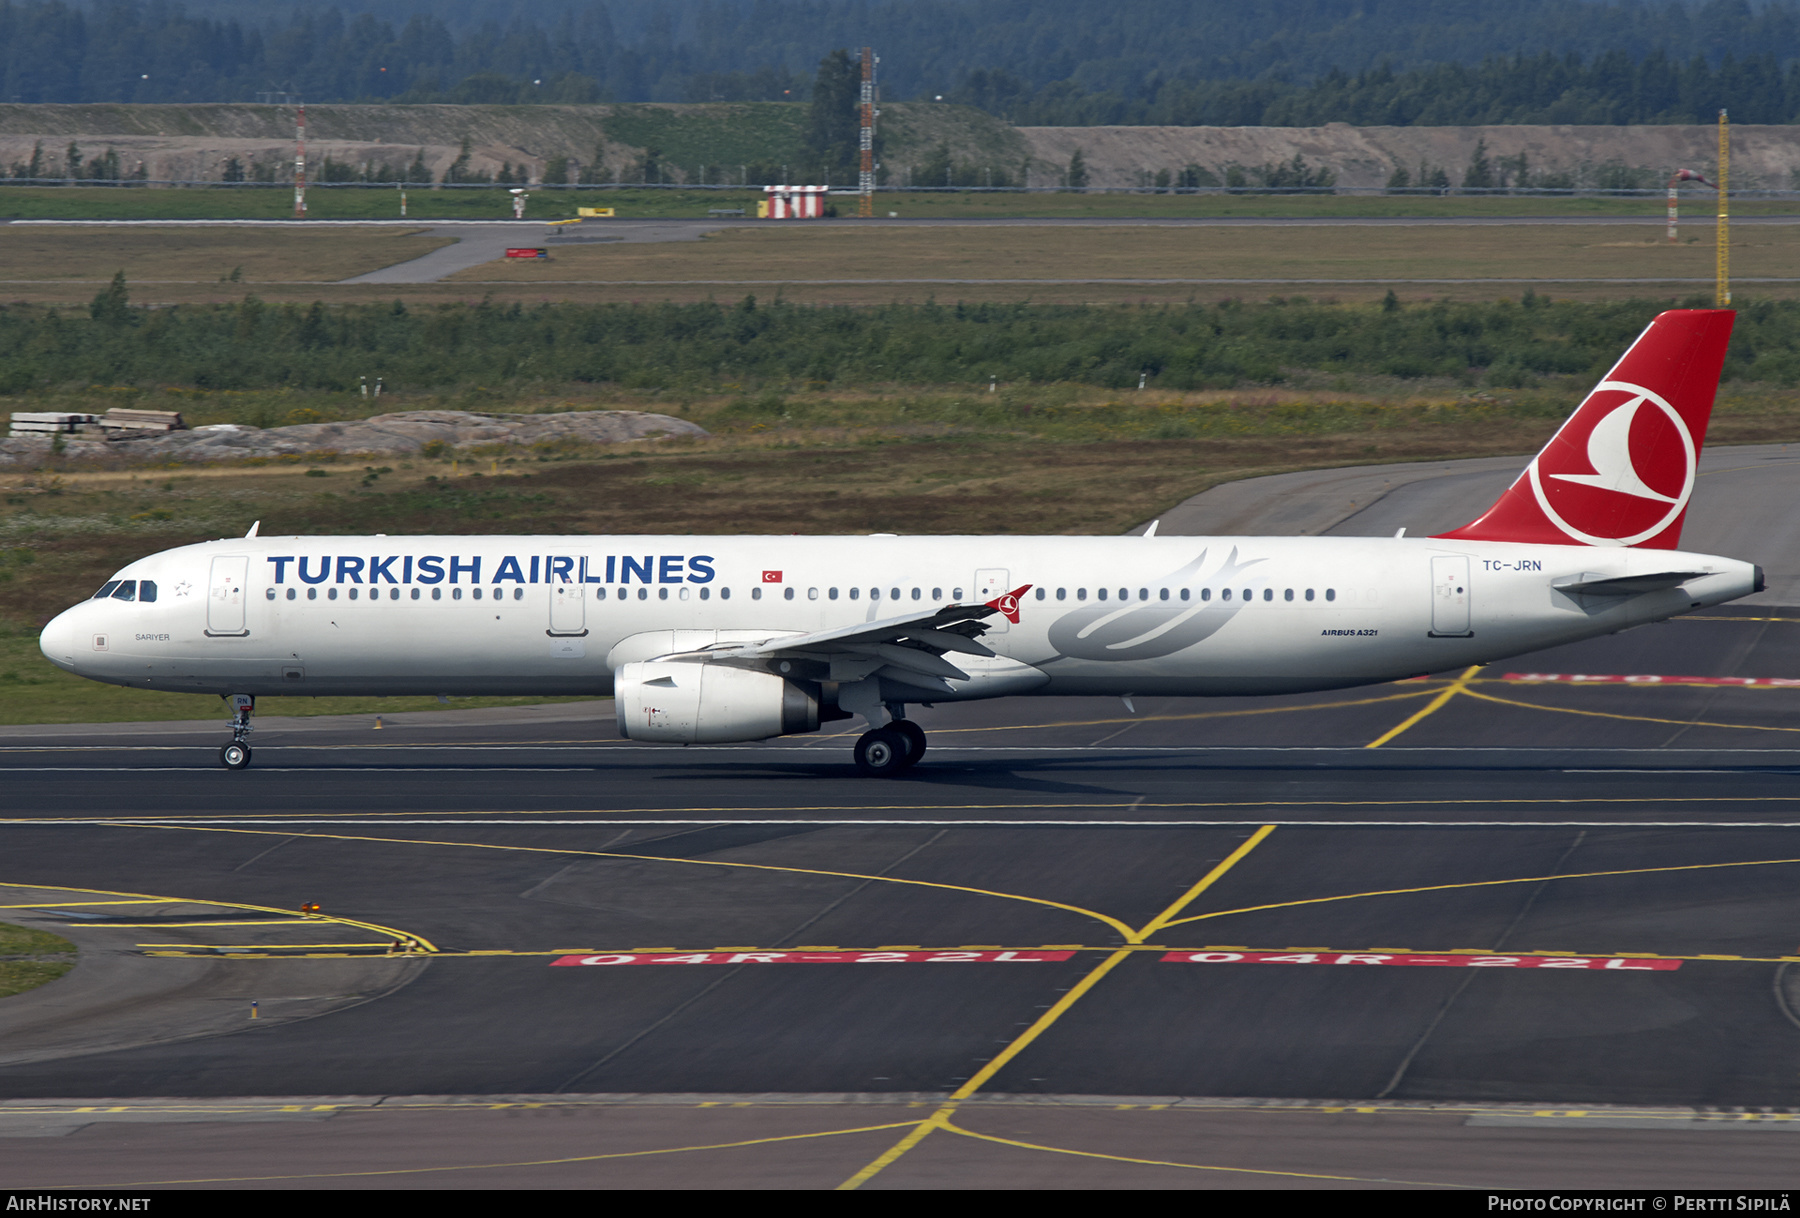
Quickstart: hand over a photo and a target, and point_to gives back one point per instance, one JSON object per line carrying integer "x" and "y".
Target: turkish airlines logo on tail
{"x": 1621, "y": 471}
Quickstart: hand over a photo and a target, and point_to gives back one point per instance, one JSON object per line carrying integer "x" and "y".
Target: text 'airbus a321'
{"x": 720, "y": 639}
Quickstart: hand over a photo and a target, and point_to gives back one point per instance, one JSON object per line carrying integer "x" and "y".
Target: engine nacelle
{"x": 677, "y": 702}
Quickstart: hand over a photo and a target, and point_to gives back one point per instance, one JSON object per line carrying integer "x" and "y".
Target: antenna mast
{"x": 1722, "y": 291}
{"x": 300, "y": 162}
{"x": 866, "y": 139}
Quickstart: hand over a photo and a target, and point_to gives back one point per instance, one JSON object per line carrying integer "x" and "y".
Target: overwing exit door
{"x": 568, "y": 603}
{"x": 989, "y": 583}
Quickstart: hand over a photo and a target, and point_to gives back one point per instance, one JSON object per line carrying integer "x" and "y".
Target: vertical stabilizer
{"x": 1620, "y": 472}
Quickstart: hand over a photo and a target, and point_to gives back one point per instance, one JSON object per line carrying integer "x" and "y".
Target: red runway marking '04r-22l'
{"x": 1447, "y": 960}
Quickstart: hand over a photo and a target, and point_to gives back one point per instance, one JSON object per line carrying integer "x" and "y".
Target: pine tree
{"x": 1480, "y": 174}
{"x": 112, "y": 305}
{"x": 1078, "y": 171}
{"x": 832, "y": 119}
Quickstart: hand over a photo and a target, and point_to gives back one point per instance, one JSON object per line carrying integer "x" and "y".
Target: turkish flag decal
{"x": 771, "y": 577}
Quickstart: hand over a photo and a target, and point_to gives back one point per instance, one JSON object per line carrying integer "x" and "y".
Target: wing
{"x": 909, "y": 648}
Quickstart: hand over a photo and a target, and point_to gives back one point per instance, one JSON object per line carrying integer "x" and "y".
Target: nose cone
{"x": 58, "y": 640}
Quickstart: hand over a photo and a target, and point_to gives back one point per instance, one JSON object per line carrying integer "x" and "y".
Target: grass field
{"x": 30, "y": 958}
{"x": 552, "y": 203}
{"x": 975, "y": 256}
{"x": 215, "y": 256}
{"x": 847, "y": 265}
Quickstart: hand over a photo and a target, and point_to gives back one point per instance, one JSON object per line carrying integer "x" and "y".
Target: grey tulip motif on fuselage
{"x": 1146, "y": 629}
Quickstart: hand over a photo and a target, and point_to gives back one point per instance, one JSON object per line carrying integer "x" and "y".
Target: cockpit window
{"x": 106, "y": 589}
{"x": 126, "y": 591}
{"x": 146, "y": 589}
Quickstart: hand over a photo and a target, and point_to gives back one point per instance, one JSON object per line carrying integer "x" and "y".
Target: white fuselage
{"x": 1105, "y": 615}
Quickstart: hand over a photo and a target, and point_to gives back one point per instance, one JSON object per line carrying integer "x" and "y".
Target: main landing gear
{"x": 236, "y": 755}
{"x": 889, "y": 750}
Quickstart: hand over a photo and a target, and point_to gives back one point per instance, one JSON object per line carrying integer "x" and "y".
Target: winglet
{"x": 1008, "y": 603}
{"x": 253, "y": 528}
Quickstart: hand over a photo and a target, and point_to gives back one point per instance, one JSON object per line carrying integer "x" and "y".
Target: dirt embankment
{"x": 1762, "y": 157}
{"x": 196, "y": 142}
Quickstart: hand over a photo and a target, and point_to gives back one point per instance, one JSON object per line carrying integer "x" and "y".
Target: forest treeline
{"x": 753, "y": 345}
{"x": 1056, "y": 62}
{"x": 1543, "y": 88}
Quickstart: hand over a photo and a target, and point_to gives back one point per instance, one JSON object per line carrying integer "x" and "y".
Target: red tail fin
{"x": 1621, "y": 470}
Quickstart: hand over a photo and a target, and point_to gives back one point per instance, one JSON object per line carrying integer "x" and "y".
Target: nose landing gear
{"x": 236, "y": 755}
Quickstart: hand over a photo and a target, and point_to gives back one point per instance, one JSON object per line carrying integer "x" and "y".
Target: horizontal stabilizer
{"x": 1626, "y": 585}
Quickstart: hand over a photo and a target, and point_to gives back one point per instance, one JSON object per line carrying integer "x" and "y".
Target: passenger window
{"x": 353, "y": 594}
{"x": 1288, "y": 595}
{"x": 937, "y": 594}
{"x": 331, "y": 594}
{"x": 956, "y": 593}
{"x": 456, "y": 594}
{"x": 270, "y": 594}
{"x": 683, "y": 594}
{"x": 126, "y": 591}
{"x": 600, "y": 593}
{"x": 643, "y": 594}
{"x": 393, "y": 594}
{"x": 1042, "y": 593}
{"x": 1309, "y": 594}
{"x": 1331, "y": 594}
{"x": 1184, "y": 594}
{"x": 1144, "y": 594}
{"x": 831, "y": 594}
{"x": 1124, "y": 594}
{"x": 1268, "y": 594}
{"x": 437, "y": 594}
{"x": 787, "y": 594}
{"x": 1100, "y": 593}
{"x": 855, "y": 593}
{"x": 106, "y": 589}
{"x": 916, "y": 594}
{"x": 519, "y": 593}
{"x": 893, "y": 594}
{"x": 724, "y": 594}
{"x": 1162, "y": 594}
{"x": 290, "y": 595}
{"x": 756, "y": 593}
{"x": 705, "y": 593}
{"x": 1249, "y": 594}
{"x": 1081, "y": 594}
{"x": 475, "y": 592}
{"x": 1206, "y": 594}
{"x": 874, "y": 594}
{"x": 415, "y": 593}
{"x": 147, "y": 590}
{"x": 662, "y": 594}
{"x": 812, "y": 594}
{"x": 1062, "y": 594}
{"x": 1225, "y": 594}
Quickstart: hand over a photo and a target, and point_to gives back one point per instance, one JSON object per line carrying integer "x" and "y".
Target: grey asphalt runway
{"x": 1531, "y": 925}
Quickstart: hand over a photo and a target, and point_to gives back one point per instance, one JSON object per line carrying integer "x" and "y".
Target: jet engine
{"x": 688, "y": 702}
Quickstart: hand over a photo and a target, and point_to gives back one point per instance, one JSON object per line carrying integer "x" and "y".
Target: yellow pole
{"x": 1722, "y": 291}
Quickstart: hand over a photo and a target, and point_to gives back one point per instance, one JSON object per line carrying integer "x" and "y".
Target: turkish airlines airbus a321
{"x": 718, "y": 639}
